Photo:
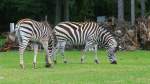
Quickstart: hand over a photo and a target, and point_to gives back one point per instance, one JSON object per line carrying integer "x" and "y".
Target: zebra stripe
{"x": 87, "y": 33}
{"x": 33, "y": 31}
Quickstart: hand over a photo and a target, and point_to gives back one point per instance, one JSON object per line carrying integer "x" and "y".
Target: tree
{"x": 66, "y": 10}
{"x": 120, "y": 10}
{"x": 142, "y": 8}
{"x": 82, "y": 10}
{"x": 132, "y": 12}
{"x": 58, "y": 11}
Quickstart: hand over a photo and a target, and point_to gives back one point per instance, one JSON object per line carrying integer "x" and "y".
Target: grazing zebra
{"x": 89, "y": 34}
{"x": 36, "y": 32}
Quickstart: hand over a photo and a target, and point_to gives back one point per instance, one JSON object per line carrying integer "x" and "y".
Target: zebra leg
{"x": 21, "y": 50}
{"x": 82, "y": 57}
{"x": 111, "y": 56}
{"x": 95, "y": 57}
{"x": 35, "y": 45}
{"x": 62, "y": 50}
{"x": 83, "y": 54}
{"x": 55, "y": 51}
{"x": 22, "y": 47}
{"x": 49, "y": 62}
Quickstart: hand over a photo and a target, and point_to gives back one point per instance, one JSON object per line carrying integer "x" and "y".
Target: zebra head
{"x": 120, "y": 45}
{"x": 118, "y": 36}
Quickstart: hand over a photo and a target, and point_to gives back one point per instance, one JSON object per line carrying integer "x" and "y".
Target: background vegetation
{"x": 79, "y": 10}
{"x": 132, "y": 68}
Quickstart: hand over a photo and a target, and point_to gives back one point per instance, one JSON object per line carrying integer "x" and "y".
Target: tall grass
{"x": 133, "y": 68}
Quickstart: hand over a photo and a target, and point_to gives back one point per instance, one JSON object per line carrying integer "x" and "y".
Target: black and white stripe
{"x": 89, "y": 34}
{"x": 33, "y": 31}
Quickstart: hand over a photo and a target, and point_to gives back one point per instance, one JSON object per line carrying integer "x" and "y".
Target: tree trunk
{"x": 66, "y": 10}
{"x": 142, "y": 8}
{"x": 58, "y": 12}
{"x": 132, "y": 12}
{"x": 120, "y": 10}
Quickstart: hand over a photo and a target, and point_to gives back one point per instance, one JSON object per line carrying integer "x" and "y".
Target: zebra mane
{"x": 46, "y": 23}
{"x": 107, "y": 28}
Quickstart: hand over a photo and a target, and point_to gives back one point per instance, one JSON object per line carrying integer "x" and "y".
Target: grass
{"x": 133, "y": 68}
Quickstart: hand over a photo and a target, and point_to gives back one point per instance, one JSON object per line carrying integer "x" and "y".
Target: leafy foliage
{"x": 80, "y": 10}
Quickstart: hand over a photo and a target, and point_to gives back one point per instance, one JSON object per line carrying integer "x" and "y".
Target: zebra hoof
{"x": 55, "y": 62}
{"x": 34, "y": 66}
{"x": 22, "y": 66}
{"x": 65, "y": 62}
{"x": 48, "y": 65}
{"x": 96, "y": 61}
{"x": 82, "y": 61}
{"x": 114, "y": 62}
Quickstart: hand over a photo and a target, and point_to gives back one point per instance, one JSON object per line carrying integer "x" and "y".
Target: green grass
{"x": 133, "y": 68}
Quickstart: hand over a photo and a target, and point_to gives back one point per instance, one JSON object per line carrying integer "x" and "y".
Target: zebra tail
{"x": 18, "y": 35}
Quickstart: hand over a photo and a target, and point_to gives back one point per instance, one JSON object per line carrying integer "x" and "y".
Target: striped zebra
{"x": 28, "y": 30}
{"x": 89, "y": 34}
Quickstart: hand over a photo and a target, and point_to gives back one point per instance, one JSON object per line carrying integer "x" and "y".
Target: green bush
{"x": 2, "y": 41}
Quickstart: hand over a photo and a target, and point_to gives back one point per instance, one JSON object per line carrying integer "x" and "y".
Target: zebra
{"x": 36, "y": 32}
{"x": 90, "y": 34}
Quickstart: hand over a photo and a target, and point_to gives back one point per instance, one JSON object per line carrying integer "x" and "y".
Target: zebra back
{"x": 33, "y": 29}
{"x": 79, "y": 33}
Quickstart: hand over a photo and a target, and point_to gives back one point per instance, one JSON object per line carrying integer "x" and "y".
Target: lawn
{"x": 133, "y": 68}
